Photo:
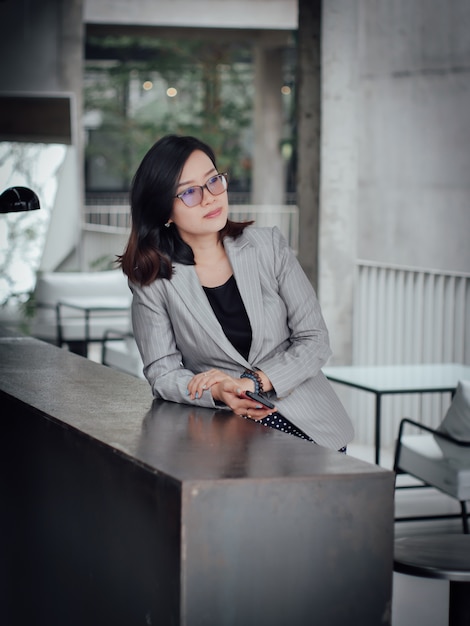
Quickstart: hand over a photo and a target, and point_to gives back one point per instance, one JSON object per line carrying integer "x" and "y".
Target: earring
{"x": 167, "y": 225}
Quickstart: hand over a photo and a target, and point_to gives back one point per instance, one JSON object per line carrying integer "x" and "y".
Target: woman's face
{"x": 210, "y": 215}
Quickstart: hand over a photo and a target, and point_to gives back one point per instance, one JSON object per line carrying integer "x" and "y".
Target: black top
{"x": 229, "y": 309}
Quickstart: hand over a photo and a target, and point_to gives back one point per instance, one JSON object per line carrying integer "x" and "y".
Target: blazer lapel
{"x": 245, "y": 267}
{"x": 186, "y": 283}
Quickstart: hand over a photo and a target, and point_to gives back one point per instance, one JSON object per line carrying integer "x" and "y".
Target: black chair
{"x": 439, "y": 458}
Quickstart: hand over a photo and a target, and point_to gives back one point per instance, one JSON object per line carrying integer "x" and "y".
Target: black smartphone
{"x": 258, "y": 398}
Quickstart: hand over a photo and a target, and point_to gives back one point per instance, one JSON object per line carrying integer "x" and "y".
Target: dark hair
{"x": 152, "y": 248}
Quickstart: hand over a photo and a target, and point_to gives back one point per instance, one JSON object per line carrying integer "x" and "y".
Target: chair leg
{"x": 78, "y": 347}
{"x": 463, "y": 506}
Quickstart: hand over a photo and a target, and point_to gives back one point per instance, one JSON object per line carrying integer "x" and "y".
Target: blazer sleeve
{"x": 163, "y": 362}
{"x": 306, "y": 349}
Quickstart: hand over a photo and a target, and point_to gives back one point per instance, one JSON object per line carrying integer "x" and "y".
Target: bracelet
{"x": 256, "y": 378}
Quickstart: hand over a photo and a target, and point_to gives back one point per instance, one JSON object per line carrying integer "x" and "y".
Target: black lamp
{"x": 16, "y": 199}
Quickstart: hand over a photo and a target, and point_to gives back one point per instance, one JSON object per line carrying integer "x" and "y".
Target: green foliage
{"x": 214, "y": 99}
{"x": 28, "y": 305}
{"x": 103, "y": 263}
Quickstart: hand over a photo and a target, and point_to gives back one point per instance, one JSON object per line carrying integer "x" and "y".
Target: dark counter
{"x": 121, "y": 510}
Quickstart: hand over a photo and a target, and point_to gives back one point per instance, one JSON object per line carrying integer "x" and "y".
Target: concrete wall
{"x": 414, "y": 133}
{"x": 244, "y": 14}
{"x": 41, "y": 45}
{"x": 395, "y": 144}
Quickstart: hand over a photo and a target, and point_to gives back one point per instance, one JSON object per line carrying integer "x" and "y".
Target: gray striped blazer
{"x": 178, "y": 334}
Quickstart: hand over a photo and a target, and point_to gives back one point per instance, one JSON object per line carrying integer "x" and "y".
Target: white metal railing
{"x": 285, "y": 217}
{"x": 115, "y": 219}
{"x": 406, "y": 315}
{"x": 107, "y": 218}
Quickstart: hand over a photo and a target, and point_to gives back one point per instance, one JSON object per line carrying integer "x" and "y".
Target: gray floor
{"x": 417, "y": 601}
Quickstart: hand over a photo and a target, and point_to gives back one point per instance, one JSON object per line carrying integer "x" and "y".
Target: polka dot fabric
{"x": 281, "y": 423}
{"x": 275, "y": 420}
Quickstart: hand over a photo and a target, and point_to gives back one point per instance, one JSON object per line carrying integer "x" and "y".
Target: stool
{"x": 439, "y": 556}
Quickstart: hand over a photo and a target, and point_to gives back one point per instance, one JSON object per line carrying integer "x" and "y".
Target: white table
{"x": 394, "y": 379}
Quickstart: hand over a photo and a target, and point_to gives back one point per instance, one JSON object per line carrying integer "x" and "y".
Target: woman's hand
{"x": 228, "y": 390}
{"x": 204, "y": 381}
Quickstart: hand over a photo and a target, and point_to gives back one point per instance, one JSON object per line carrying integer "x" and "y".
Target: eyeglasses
{"x": 192, "y": 196}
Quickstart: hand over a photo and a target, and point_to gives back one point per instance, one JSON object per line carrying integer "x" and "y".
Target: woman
{"x": 220, "y": 307}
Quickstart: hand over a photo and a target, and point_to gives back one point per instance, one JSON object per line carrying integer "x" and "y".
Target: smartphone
{"x": 258, "y": 398}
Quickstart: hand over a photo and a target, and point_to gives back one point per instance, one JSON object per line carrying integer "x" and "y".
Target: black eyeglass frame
{"x": 222, "y": 176}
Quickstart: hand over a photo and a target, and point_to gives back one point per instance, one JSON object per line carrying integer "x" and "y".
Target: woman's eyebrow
{"x": 189, "y": 182}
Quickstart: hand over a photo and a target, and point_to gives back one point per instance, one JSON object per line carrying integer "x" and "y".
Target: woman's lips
{"x": 214, "y": 213}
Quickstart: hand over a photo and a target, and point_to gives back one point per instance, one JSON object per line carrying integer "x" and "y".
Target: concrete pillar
{"x": 308, "y": 134}
{"x": 268, "y": 166}
{"x": 70, "y": 72}
{"x": 339, "y": 174}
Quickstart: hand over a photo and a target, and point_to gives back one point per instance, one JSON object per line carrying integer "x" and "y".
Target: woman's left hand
{"x": 204, "y": 381}
{"x": 228, "y": 390}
